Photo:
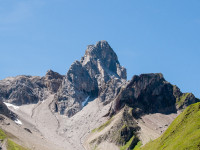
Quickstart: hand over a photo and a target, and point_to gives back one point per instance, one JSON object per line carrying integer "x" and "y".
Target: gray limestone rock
{"x": 52, "y": 81}
{"x": 97, "y": 74}
{"x": 6, "y": 112}
{"x": 21, "y": 89}
{"x": 29, "y": 89}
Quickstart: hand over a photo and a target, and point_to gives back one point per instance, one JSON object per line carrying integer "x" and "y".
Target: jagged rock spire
{"x": 101, "y": 56}
{"x": 90, "y": 77}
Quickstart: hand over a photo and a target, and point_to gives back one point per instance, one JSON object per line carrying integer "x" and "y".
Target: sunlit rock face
{"x": 52, "y": 81}
{"x": 97, "y": 74}
{"x": 24, "y": 89}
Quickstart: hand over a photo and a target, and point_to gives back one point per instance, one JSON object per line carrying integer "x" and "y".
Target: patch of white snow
{"x": 11, "y": 105}
{"x": 18, "y": 121}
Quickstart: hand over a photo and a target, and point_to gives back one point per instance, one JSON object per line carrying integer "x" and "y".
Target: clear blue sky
{"x": 147, "y": 35}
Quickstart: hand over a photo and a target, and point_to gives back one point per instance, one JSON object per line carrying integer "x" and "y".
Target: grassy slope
{"x": 10, "y": 144}
{"x": 182, "y": 134}
{"x": 180, "y": 101}
{"x": 127, "y": 145}
{"x": 102, "y": 126}
{"x": 2, "y": 135}
{"x": 137, "y": 147}
{"x": 13, "y": 146}
{"x": 123, "y": 124}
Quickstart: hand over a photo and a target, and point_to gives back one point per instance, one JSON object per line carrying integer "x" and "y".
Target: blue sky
{"x": 147, "y": 35}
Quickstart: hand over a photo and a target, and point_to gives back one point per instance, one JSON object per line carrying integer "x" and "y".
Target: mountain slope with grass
{"x": 183, "y": 133}
{"x": 7, "y": 143}
{"x": 153, "y": 104}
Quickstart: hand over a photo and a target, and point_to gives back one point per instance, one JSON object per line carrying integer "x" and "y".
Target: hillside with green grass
{"x": 10, "y": 145}
{"x": 182, "y": 134}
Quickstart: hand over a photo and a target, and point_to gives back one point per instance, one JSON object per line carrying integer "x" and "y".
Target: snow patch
{"x": 18, "y": 121}
{"x": 85, "y": 101}
{"x": 11, "y": 105}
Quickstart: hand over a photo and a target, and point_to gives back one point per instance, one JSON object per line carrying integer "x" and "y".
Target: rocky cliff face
{"x": 6, "y": 112}
{"x": 97, "y": 74}
{"x": 151, "y": 93}
{"x": 147, "y": 94}
{"x": 29, "y": 89}
{"x": 52, "y": 81}
{"x": 21, "y": 89}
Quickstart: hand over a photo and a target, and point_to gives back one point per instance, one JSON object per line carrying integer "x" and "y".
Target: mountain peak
{"x": 101, "y": 50}
{"x": 103, "y": 56}
{"x": 52, "y": 75}
{"x": 90, "y": 78}
{"x": 100, "y": 44}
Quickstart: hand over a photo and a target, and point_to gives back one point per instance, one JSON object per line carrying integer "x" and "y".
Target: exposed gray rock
{"x": 101, "y": 59}
{"x": 52, "y": 81}
{"x": 143, "y": 95}
{"x": 122, "y": 130}
{"x": 21, "y": 89}
{"x": 151, "y": 93}
{"x": 29, "y": 89}
{"x": 98, "y": 74}
{"x": 6, "y": 112}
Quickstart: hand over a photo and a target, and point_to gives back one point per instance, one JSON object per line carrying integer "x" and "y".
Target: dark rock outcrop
{"x": 144, "y": 94}
{"x": 52, "y": 81}
{"x": 151, "y": 93}
{"x": 98, "y": 74}
{"x": 6, "y": 112}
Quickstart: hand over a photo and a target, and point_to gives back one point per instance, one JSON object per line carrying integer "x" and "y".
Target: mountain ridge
{"x": 94, "y": 95}
{"x": 98, "y": 67}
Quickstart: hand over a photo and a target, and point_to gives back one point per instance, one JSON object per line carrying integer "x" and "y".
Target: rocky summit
{"x": 92, "y": 107}
{"x": 151, "y": 93}
{"x": 97, "y": 74}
